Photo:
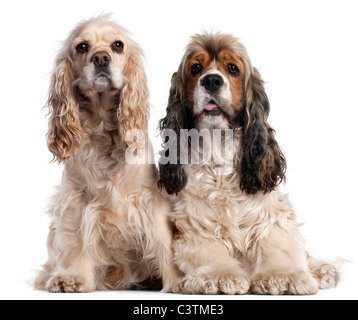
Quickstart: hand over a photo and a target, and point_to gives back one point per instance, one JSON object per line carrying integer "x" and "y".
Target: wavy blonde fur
{"x": 109, "y": 222}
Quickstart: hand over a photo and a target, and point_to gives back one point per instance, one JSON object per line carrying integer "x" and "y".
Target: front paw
{"x": 234, "y": 285}
{"x": 212, "y": 285}
{"x": 300, "y": 283}
{"x": 196, "y": 285}
{"x": 67, "y": 283}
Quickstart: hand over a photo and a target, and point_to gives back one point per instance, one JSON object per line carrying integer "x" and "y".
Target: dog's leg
{"x": 73, "y": 248}
{"x": 78, "y": 278}
{"x": 63, "y": 272}
{"x": 280, "y": 263}
{"x": 208, "y": 267}
{"x": 164, "y": 252}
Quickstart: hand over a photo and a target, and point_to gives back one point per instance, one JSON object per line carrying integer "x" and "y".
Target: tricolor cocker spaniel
{"x": 110, "y": 227}
{"x": 234, "y": 231}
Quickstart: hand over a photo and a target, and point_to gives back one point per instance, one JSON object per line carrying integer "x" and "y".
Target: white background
{"x": 306, "y": 51}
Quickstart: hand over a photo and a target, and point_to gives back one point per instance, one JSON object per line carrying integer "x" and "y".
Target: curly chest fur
{"x": 100, "y": 124}
{"x": 215, "y": 207}
{"x": 207, "y": 204}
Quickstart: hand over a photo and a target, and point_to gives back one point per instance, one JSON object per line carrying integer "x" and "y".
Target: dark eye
{"x": 118, "y": 46}
{"x": 196, "y": 69}
{"x": 82, "y": 48}
{"x": 233, "y": 70}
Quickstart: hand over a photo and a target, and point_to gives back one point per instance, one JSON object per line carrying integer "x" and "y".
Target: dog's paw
{"x": 197, "y": 285}
{"x": 234, "y": 285}
{"x": 66, "y": 283}
{"x": 328, "y": 276}
{"x": 212, "y": 285}
{"x": 300, "y": 283}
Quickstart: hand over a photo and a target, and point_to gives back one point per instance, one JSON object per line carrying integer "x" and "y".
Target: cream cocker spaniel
{"x": 235, "y": 232}
{"x": 110, "y": 227}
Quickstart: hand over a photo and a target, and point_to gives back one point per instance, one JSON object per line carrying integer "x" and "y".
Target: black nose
{"x": 213, "y": 82}
{"x": 101, "y": 59}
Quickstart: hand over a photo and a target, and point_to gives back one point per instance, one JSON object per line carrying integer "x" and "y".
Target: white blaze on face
{"x": 205, "y": 103}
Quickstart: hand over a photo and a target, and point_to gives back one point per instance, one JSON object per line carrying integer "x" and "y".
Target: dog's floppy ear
{"x": 262, "y": 165}
{"x": 65, "y": 132}
{"x": 172, "y": 175}
{"x": 133, "y": 111}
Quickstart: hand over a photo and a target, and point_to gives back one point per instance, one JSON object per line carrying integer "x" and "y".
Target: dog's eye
{"x": 118, "y": 46}
{"x": 82, "y": 48}
{"x": 196, "y": 69}
{"x": 233, "y": 70}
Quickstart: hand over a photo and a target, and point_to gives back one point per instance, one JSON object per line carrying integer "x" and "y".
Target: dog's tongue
{"x": 211, "y": 106}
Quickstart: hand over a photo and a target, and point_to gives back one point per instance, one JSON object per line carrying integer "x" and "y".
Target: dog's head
{"x": 216, "y": 87}
{"x": 213, "y": 73}
{"x": 99, "y": 52}
{"x": 98, "y": 61}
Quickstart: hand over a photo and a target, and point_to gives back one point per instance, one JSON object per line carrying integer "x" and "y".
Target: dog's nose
{"x": 101, "y": 59}
{"x": 213, "y": 82}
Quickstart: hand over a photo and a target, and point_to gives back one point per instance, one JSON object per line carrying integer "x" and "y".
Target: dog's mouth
{"x": 212, "y": 109}
{"x": 102, "y": 82}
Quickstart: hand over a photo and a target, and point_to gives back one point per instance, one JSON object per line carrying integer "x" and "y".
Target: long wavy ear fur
{"x": 263, "y": 164}
{"x": 133, "y": 111}
{"x": 173, "y": 176}
{"x": 65, "y": 132}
